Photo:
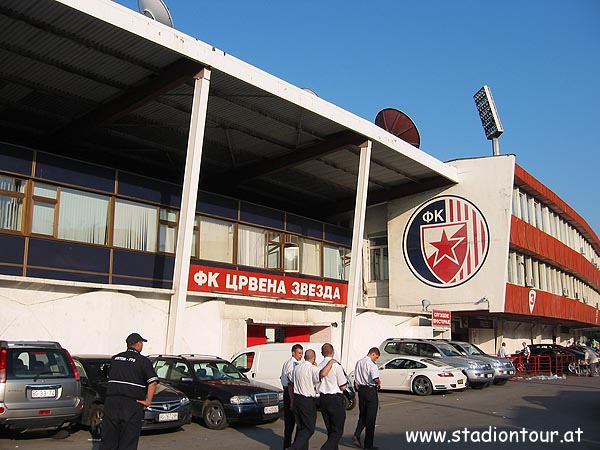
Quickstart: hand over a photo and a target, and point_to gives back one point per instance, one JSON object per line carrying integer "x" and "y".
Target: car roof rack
{"x": 41, "y": 344}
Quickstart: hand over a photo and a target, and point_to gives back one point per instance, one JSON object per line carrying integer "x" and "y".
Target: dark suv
{"x": 170, "y": 408}
{"x": 39, "y": 386}
{"x": 219, "y": 393}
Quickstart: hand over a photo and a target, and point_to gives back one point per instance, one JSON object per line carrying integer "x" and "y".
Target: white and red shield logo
{"x": 446, "y": 241}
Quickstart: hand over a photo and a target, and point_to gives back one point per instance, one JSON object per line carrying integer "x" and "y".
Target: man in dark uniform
{"x": 131, "y": 385}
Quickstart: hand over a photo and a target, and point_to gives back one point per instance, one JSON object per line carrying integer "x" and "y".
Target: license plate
{"x": 167, "y": 417}
{"x": 460, "y": 381}
{"x": 43, "y": 393}
{"x": 271, "y": 409}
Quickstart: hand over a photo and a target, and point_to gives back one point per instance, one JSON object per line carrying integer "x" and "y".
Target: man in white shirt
{"x": 366, "y": 377}
{"x": 288, "y": 393}
{"x": 502, "y": 353}
{"x": 305, "y": 378}
{"x": 331, "y": 400}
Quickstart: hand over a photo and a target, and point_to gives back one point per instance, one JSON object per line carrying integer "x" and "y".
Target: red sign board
{"x": 216, "y": 279}
{"x": 441, "y": 319}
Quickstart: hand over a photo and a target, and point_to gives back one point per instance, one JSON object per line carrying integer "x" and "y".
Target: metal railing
{"x": 543, "y": 364}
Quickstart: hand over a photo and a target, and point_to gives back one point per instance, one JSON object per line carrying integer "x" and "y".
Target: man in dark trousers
{"x": 305, "y": 378}
{"x": 366, "y": 377}
{"x": 288, "y": 393}
{"x": 331, "y": 400}
{"x": 131, "y": 385}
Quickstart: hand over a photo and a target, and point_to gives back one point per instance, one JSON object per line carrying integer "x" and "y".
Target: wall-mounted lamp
{"x": 249, "y": 320}
{"x": 425, "y": 304}
{"x": 334, "y": 324}
{"x": 482, "y": 300}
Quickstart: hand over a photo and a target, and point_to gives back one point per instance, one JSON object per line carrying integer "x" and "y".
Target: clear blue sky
{"x": 541, "y": 58}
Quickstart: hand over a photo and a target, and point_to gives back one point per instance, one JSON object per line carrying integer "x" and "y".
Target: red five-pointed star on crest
{"x": 445, "y": 248}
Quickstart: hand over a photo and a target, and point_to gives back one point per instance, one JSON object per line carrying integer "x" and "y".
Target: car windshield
{"x": 217, "y": 370}
{"x": 36, "y": 363}
{"x": 472, "y": 349}
{"x": 96, "y": 371}
{"x": 447, "y": 349}
{"x": 433, "y": 362}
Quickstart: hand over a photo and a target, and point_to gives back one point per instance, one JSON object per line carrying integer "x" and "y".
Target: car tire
{"x": 500, "y": 382}
{"x": 213, "y": 415}
{"x": 96, "y": 418}
{"x": 422, "y": 385}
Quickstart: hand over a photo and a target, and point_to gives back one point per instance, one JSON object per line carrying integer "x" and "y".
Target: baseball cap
{"x": 134, "y": 338}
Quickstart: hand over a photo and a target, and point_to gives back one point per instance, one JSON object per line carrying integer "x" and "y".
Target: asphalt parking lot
{"x": 535, "y": 414}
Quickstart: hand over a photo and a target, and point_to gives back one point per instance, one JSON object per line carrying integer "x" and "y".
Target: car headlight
{"x": 185, "y": 401}
{"x": 280, "y": 396}
{"x": 241, "y": 399}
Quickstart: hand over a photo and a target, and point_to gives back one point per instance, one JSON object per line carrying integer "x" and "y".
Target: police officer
{"x": 331, "y": 400}
{"x": 366, "y": 377}
{"x": 288, "y": 393}
{"x": 132, "y": 382}
{"x": 305, "y": 377}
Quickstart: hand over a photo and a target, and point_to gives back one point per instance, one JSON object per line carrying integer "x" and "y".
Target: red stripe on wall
{"x": 548, "y": 305}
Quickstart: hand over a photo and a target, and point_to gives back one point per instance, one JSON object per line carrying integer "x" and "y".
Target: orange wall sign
{"x": 216, "y": 279}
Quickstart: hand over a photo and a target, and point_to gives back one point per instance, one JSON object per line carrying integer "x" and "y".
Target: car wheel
{"x": 96, "y": 417}
{"x": 214, "y": 415}
{"x": 422, "y": 386}
{"x": 500, "y": 382}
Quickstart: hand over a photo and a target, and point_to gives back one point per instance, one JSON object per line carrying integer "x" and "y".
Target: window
{"x": 44, "y": 209}
{"x": 12, "y": 195}
{"x": 524, "y": 207}
{"x": 83, "y": 216}
{"x": 379, "y": 259}
{"x": 291, "y": 254}
{"x": 310, "y": 256}
{"x": 167, "y": 231}
{"x": 135, "y": 226}
{"x": 252, "y": 244}
{"x": 273, "y": 250}
{"x": 336, "y": 262}
{"x": 216, "y": 239}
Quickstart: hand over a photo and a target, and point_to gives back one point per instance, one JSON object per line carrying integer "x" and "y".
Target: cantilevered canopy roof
{"x": 102, "y": 83}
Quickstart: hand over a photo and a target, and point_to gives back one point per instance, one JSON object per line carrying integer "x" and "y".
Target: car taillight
{"x": 73, "y": 365}
{"x": 445, "y": 374}
{"x": 3, "y": 365}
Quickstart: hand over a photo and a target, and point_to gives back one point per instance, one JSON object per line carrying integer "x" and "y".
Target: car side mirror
{"x": 436, "y": 355}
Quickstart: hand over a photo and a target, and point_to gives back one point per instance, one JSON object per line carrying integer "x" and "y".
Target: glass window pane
{"x": 274, "y": 250}
{"x": 11, "y": 213}
{"x": 216, "y": 240}
{"x": 310, "y": 256}
{"x": 43, "y": 218}
{"x": 135, "y": 226}
{"x": 168, "y": 215}
{"x": 251, "y": 246}
{"x": 167, "y": 238}
{"x": 83, "y": 216}
{"x": 44, "y": 190}
{"x": 292, "y": 259}
{"x": 336, "y": 262}
{"x": 12, "y": 184}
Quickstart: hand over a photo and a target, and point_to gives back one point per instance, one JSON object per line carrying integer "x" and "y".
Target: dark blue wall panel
{"x": 145, "y": 265}
{"x": 15, "y": 159}
{"x": 217, "y": 205}
{"x": 68, "y": 255}
{"x": 149, "y": 189}
{"x": 68, "y": 276}
{"x": 339, "y": 235}
{"x": 260, "y": 215}
{"x": 11, "y": 270}
{"x": 64, "y": 170}
{"x": 12, "y": 248}
{"x": 160, "y": 284}
{"x": 304, "y": 226}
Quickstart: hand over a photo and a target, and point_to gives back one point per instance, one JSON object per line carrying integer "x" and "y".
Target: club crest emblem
{"x": 446, "y": 241}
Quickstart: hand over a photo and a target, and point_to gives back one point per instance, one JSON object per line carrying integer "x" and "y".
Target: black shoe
{"x": 356, "y": 441}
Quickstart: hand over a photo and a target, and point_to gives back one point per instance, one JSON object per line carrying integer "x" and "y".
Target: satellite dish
{"x": 156, "y": 10}
{"x": 399, "y": 124}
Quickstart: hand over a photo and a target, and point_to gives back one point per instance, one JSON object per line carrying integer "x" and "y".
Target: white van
{"x": 263, "y": 364}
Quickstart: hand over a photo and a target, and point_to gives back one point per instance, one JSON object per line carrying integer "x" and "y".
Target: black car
{"x": 170, "y": 408}
{"x": 554, "y": 358}
{"x": 220, "y": 394}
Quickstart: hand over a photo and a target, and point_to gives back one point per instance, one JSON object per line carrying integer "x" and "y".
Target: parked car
{"x": 39, "y": 386}
{"x": 263, "y": 363}
{"x": 219, "y": 393}
{"x": 420, "y": 376}
{"x": 170, "y": 408}
{"x": 553, "y": 358}
{"x": 503, "y": 367}
{"x": 480, "y": 374}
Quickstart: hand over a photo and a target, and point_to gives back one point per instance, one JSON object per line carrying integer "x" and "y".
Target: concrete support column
{"x": 185, "y": 230}
{"x": 355, "y": 282}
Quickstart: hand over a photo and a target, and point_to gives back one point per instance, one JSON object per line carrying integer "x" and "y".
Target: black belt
{"x": 337, "y": 393}
{"x": 361, "y": 386}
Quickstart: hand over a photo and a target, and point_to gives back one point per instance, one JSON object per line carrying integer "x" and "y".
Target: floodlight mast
{"x": 489, "y": 117}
